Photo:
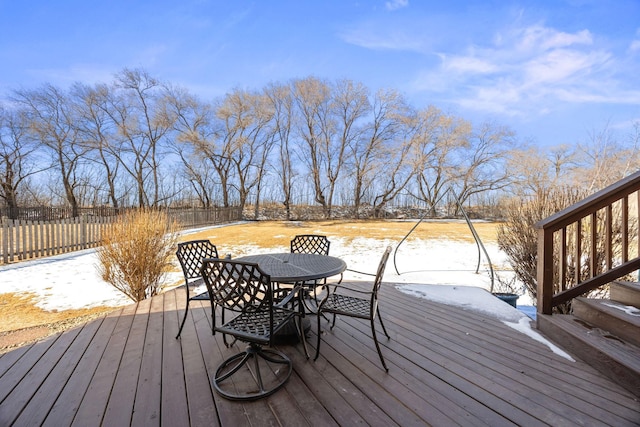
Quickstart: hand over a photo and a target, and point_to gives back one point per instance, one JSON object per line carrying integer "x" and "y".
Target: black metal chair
{"x": 310, "y": 244}
{"x": 244, "y": 289}
{"x": 362, "y": 306}
{"x": 190, "y": 254}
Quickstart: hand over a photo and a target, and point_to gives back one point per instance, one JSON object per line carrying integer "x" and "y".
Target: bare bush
{"x": 518, "y": 238}
{"x": 136, "y": 253}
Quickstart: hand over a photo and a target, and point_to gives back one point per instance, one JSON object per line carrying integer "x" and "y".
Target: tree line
{"x": 137, "y": 141}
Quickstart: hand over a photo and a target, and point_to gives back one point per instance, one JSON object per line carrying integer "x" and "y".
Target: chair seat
{"x": 200, "y": 291}
{"x": 204, "y": 296}
{"x": 254, "y": 326}
{"x": 347, "y": 305}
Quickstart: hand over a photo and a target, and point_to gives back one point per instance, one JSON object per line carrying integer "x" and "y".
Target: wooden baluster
{"x": 625, "y": 229}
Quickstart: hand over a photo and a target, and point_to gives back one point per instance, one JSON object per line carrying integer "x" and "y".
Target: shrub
{"x": 136, "y": 253}
{"x": 518, "y": 238}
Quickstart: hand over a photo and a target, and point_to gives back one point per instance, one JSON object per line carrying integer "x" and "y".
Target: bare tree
{"x": 350, "y": 106}
{"x": 394, "y": 171}
{"x": 17, "y": 157}
{"x": 282, "y": 102}
{"x": 534, "y": 169}
{"x": 481, "y": 167}
{"x": 606, "y": 158}
{"x": 437, "y": 140}
{"x": 563, "y": 163}
{"x": 192, "y": 122}
{"x": 247, "y": 137}
{"x": 264, "y": 142}
{"x": 380, "y": 152}
{"x": 328, "y": 118}
{"x": 53, "y": 123}
{"x": 98, "y": 129}
{"x": 139, "y": 112}
{"x": 312, "y": 98}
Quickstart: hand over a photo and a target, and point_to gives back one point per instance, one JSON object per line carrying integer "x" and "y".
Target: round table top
{"x": 296, "y": 267}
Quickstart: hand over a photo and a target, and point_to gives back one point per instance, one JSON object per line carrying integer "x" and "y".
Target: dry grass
{"x": 23, "y": 322}
{"x": 20, "y": 311}
{"x": 279, "y": 233}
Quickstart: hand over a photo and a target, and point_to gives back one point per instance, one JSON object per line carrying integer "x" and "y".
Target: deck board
{"x": 448, "y": 366}
{"x": 173, "y": 399}
{"x": 32, "y": 382}
{"x": 200, "y": 401}
{"x": 148, "y": 395}
{"x": 91, "y": 409}
{"x": 68, "y": 401}
{"x": 39, "y": 405}
{"x": 122, "y": 397}
{"x": 488, "y": 374}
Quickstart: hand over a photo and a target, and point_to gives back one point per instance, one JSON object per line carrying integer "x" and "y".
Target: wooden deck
{"x": 447, "y": 366}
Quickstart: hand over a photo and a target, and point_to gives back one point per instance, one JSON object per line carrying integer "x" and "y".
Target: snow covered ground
{"x": 442, "y": 271}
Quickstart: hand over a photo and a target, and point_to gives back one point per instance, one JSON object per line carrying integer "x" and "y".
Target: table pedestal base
{"x": 289, "y": 333}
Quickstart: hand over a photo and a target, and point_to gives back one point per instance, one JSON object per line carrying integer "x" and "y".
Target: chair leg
{"x": 375, "y": 340}
{"x": 213, "y": 319}
{"x": 317, "y": 303}
{"x": 299, "y": 323}
{"x": 318, "y": 339}
{"x": 333, "y": 323}
{"x": 382, "y": 323}
{"x": 300, "y": 327}
{"x": 184, "y": 319}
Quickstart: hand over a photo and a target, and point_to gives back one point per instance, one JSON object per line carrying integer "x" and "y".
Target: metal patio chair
{"x": 355, "y": 303}
{"x": 312, "y": 244}
{"x": 244, "y": 289}
{"x": 190, "y": 254}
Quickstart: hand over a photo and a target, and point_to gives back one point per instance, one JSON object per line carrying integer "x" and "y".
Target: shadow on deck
{"x": 447, "y": 366}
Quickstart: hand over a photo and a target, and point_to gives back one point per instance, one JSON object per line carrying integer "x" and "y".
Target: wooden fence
{"x": 27, "y": 239}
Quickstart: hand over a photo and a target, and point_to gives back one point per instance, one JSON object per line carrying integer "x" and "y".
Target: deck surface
{"x": 447, "y": 366}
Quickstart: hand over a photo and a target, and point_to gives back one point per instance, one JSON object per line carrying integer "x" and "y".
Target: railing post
{"x": 545, "y": 271}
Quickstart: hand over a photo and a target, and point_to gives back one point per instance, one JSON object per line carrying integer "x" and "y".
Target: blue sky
{"x": 553, "y": 71}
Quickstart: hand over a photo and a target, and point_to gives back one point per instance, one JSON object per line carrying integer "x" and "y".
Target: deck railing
{"x": 589, "y": 244}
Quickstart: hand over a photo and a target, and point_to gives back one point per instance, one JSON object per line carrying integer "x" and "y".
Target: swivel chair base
{"x": 237, "y": 379}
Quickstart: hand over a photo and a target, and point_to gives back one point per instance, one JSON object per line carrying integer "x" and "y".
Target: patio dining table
{"x": 296, "y": 267}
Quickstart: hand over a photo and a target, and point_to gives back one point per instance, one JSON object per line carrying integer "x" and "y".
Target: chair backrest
{"x": 190, "y": 254}
{"x": 383, "y": 264}
{"x": 310, "y": 244}
{"x": 237, "y": 286}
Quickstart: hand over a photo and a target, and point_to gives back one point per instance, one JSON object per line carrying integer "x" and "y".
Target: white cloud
{"x": 539, "y": 38}
{"x": 635, "y": 46}
{"x": 529, "y": 70}
{"x": 467, "y": 64}
{"x": 396, "y": 4}
{"x": 562, "y": 66}
{"x": 369, "y": 36}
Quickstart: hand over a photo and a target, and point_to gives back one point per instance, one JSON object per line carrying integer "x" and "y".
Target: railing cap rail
{"x": 591, "y": 204}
